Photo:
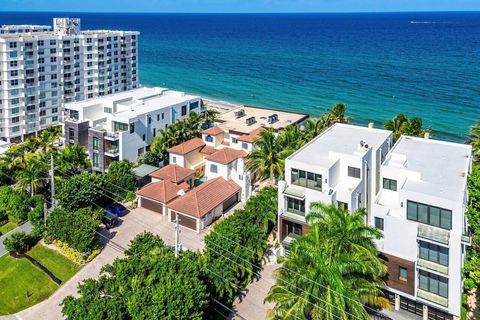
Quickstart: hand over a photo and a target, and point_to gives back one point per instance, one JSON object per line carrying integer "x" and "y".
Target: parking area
{"x": 117, "y": 239}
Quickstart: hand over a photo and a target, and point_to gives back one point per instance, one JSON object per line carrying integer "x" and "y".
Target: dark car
{"x": 109, "y": 220}
{"x": 116, "y": 209}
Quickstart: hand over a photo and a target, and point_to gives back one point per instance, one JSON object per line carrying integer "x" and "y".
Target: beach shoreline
{"x": 220, "y": 105}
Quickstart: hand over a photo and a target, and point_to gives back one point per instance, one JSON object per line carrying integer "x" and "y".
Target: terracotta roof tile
{"x": 172, "y": 172}
{"x": 187, "y": 146}
{"x": 204, "y": 198}
{"x": 226, "y": 155}
{"x": 213, "y": 131}
{"x": 208, "y": 150}
{"x": 162, "y": 191}
{"x": 252, "y": 136}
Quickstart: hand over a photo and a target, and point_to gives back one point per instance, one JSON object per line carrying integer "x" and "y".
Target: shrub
{"x": 77, "y": 229}
{"x": 74, "y": 255}
{"x": 18, "y": 242}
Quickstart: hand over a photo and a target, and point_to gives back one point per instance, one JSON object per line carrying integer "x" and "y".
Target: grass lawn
{"x": 56, "y": 263}
{"x": 9, "y": 226}
{"x": 22, "y": 285}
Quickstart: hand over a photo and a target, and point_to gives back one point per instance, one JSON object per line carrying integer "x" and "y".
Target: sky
{"x": 216, "y": 6}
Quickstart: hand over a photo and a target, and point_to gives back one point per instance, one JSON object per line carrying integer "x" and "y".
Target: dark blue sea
{"x": 421, "y": 64}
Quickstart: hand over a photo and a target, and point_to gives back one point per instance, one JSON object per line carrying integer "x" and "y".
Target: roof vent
{"x": 250, "y": 121}
{"x": 240, "y": 113}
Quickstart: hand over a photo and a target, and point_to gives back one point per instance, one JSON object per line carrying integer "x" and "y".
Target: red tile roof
{"x": 226, "y": 155}
{"x": 172, "y": 172}
{"x": 204, "y": 198}
{"x": 208, "y": 150}
{"x": 162, "y": 191}
{"x": 213, "y": 131}
{"x": 252, "y": 136}
{"x": 187, "y": 146}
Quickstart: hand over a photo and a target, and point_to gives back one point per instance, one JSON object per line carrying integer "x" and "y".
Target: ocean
{"x": 379, "y": 64}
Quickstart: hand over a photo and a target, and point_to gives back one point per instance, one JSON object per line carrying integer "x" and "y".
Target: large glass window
{"x": 293, "y": 227}
{"x": 296, "y": 206}
{"x": 118, "y": 126}
{"x": 389, "y": 184}
{"x": 307, "y": 179}
{"x": 431, "y": 215}
{"x": 95, "y": 160}
{"x": 432, "y": 252}
{"x": 354, "y": 172}
{"x": 95, "y": 143}
{"x": 432, "y": 283}
{"x": 379, "y": 223}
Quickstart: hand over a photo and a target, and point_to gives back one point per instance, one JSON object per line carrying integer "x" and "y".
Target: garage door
{"x": 151, "y": 205}
{"x": 185, "y": 221}
{"x": 230, "y": 202}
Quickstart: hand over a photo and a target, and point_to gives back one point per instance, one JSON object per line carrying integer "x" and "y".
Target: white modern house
{"x": 414, "y": 192}
{"x": 340, "y": 166}
{"x": 42, "y": 69}
{"x": 420, "y": 209}
{"x": 123, "y": 125}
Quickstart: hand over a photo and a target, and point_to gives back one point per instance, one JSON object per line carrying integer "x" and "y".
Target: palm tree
{"x": 313, "y": 127}
{"x": 34, "y": 176}
{"x": 401, "y": 125}
{"x": 332, "y": 271}
{"x": 337, "y": 115}
{"x": 73, "y": 159}
{"x": 474, "y": 140}
{"x": 290, "y": 139}
{"x": 267, "y": 160}
{"x": 48, "y": 138}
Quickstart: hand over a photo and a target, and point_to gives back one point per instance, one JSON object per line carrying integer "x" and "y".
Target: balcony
{"x": 112, "y": 152}
{"x": 432, "y": 297}
{"x": 290, "y": 238}
{"x": 112, "y": 136}
{"x": 433, "y": 233}
{"x": 295, "y": 216}
{"x": 429, "y": 265}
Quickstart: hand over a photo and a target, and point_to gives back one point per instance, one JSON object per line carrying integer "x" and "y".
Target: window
{"x": 208, "y": 138}
{"x": 143, "y": 137}
{"x": 379, "y": 223}
{"x": 95, "y": 160}
{"x": 193, "y": 105}
{"x": 244, "y": 145}
{"x": 15, "y": 129}
{"x": 434, "y": 216}
{"x": 213, "y": 168}
{"x": 174, "y": 159}
{"x": 95, "y": 143}
{"x": 389, "y": 184}
{"x": 71, "y": 133}
{"x": 184, "y": 110}
{"x": 354, "y": 172}
{"x": 158, "y": 117}
{"x": 140, "y": 152}
{"x": 293, "y": 228}
{"x": 432, "y": 283}
{"x": 15, "y": 110}
{"x": 307, "y": 179}
{"x": 132, "y": 127}
{"x": 402, "y": 274}
{"x": 234, "y": 140}
{"x": 15, "y": 119}
{"x": 154, "y": 132}
{"x": 342, "y": 205}
{"x": 432, "y": 252}
{"x": 107, "y": 110}
{"x": 296, "y": 206}
{"x": 118, "y": 126}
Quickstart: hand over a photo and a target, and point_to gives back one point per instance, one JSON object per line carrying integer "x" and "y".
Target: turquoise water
{"x": 421, "y": 64}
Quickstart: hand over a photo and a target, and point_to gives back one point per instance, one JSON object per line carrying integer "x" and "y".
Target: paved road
{"x": 134, "y": 223}
{"x": 26, "y": 227}
{"x": 251, "y": 306}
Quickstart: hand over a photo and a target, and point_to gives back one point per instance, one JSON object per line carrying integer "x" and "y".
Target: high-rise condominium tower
{"x": 41, "y": 70}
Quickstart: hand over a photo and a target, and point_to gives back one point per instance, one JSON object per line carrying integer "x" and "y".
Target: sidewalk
{"x": 26, "y": 227}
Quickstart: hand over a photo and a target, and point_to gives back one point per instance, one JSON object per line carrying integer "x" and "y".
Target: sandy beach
{"x": 220, "y": 106}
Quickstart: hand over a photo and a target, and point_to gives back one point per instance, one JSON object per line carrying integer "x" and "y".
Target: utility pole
{"x": 52, "y": 181}
{"x": 177, "y": 235}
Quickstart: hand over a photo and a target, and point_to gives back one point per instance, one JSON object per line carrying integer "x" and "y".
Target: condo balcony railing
{"x": 430, "y": 265}
{"x": 296, "y": 216}
{"x": 113, "y": 152}
{"x": 433, "y": 233}
{"x": 432, "y": 297}
{"x": 112, "y": 136}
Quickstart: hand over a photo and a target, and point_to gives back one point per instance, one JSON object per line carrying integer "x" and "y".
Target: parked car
{"x": 110, "y": 220}
{"x": 117, "y": 209}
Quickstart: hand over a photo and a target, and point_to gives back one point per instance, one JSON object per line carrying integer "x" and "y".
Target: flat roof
{"x": 229, "y": 122}
{"x": 443, "y": 166}
{"x": 133, "y": 103}
{"x": 339, "y": 138}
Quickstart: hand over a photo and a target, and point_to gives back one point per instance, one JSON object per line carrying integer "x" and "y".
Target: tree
{"x": 267, "y": 160}
{"x": 73, "y": 159}
{"x": 47, "y": 139}
{"x": 149, "y": 283}
{"x": 332, "y": 271}
{"x": 81, "y": 191}
{"x": 401, "y": 125}
{"x": 474, "y": 140}
{"x": 77, "y": 229}
{"x": 34, "y": 176}
{"x": 336, "y": 115}
{"x": 120, "y": 179}
{"x": 14, "y": 203}
{"x": 17, "y": 243}
{"x": 312, "y": 128}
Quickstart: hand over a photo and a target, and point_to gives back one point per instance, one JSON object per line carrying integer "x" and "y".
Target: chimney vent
{"x": 370, "y": 125}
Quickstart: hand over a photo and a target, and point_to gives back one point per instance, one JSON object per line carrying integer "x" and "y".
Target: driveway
{"x": 26, "y": 227}
{"x": 117, "y": 240}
